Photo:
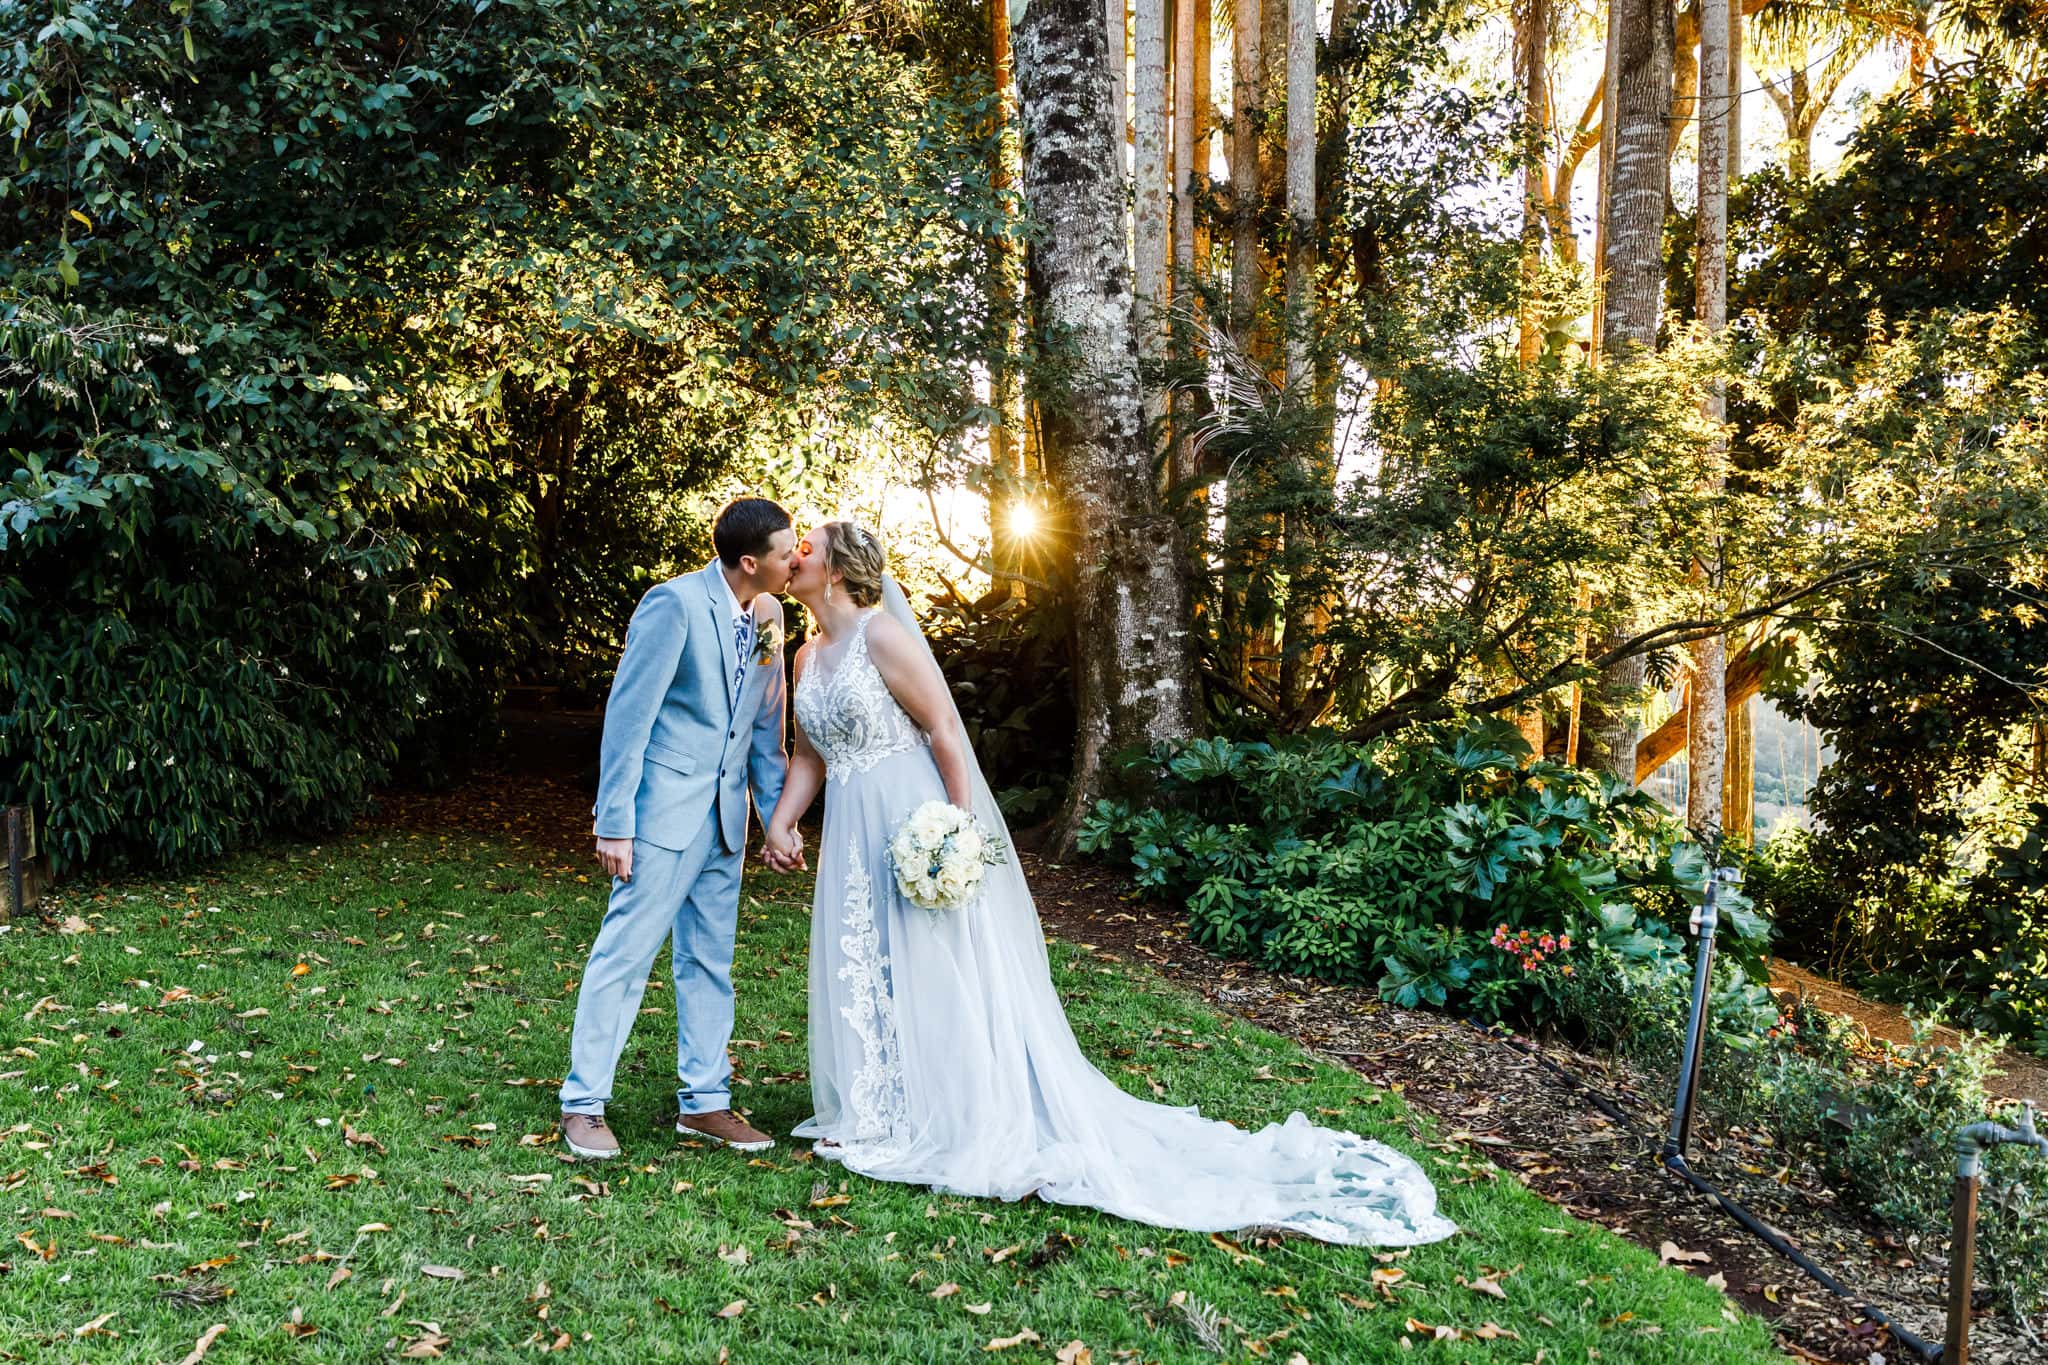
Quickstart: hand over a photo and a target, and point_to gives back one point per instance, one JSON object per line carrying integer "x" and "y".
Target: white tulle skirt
{"x": 940, "y": 1056}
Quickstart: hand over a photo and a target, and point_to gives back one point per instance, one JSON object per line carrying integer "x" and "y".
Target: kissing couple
{"x": 939, "y": 1051}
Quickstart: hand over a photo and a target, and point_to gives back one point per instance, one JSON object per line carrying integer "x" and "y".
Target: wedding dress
{"x": 940, "y": 1054}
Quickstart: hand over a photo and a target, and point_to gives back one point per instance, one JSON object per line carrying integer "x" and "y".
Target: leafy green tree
{"x": 290, "y": 290}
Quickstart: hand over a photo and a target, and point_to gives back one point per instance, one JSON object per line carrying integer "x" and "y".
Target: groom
{"x": 695, "y": 717}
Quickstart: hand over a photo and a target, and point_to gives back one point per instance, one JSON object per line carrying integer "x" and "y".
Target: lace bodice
{"x": 848, "y": 712}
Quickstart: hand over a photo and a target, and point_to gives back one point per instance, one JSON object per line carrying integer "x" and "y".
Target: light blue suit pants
{"x": 694, "y": 896}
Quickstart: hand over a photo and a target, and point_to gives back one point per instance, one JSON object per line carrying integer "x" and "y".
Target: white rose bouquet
{"x": 940, "y": 855}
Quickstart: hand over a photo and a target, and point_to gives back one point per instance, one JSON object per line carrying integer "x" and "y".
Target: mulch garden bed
{"x": 1488, "y": 1092}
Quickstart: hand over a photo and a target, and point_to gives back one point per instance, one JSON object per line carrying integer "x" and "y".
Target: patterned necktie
{"x": 742, "y": 636}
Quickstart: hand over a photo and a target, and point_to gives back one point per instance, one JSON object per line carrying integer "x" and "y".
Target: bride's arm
{"x": 920, "y": 691}
{"x": 800, "y": 786}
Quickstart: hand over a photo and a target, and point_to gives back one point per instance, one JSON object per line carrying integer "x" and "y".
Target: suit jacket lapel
{"x": 714, "y": 594}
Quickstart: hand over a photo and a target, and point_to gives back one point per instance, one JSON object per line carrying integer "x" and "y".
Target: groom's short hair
{"x": 744, "y": 527}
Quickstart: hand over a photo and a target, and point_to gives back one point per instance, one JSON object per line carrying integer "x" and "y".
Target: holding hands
{"x": 783, "y": 848}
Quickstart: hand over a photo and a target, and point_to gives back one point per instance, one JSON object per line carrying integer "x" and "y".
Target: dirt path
{"x": 2019, "y": 1078}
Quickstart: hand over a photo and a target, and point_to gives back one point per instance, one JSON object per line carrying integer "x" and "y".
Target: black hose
{"x": 1926, "y": 1350}
{"x": 1678, "y": 1166}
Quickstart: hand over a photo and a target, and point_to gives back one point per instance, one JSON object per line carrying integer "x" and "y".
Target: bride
{"x": 939, "y": 1051}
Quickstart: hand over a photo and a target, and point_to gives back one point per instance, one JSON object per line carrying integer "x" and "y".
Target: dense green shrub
{"x": 1445, "y": 868}
{"x": 1880, "y": 1120}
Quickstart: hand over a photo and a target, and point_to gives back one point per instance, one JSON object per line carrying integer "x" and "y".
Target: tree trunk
{"x": 1118, "y": 16}
{"x": 1667, "y": 741}
{"x": 1205, "y": 120}
{"x": 1738, "y": 793}
{"x": 1301, "y": 183}
{"x": 1274, "y": 16}
{"x": 1634, "y": 297}
{"x": 1184, "y": 138}
{"x": 1248, "y": 543}
{"x": 1532, "y": 45}
{"x": 1685, "y": 76}
{"x": 1708, "y": 738}
{"x": 1005, "y": 433}
{"x": 1799, "y": 130}
{"x": 1303, "y": 616}
{"x": 1180, "y": 465}
{"x": 1735, "y": 80}
{"x": 1641, "y": 179}
{"x": 1135, "y": 667}
{"x": 1247, "y": 269}
{"x": 1603, "y": 212}
{"x": 1152, "y": 212}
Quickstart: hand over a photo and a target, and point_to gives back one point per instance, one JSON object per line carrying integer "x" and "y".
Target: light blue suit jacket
{"x": 679, "y": 738}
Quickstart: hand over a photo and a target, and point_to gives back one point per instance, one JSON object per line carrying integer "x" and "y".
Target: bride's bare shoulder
{"x": 887, "y": 640}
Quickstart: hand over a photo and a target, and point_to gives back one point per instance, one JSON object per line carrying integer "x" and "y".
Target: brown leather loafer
{"x": 587, "y": 1136}
{"x": 725, "y": 1128}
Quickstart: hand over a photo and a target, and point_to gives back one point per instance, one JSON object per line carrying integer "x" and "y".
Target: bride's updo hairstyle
{"x": 853, "y": 550}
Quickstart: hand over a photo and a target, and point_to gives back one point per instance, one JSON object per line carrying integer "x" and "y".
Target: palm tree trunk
{"x": 1635, "y": 277}
{"x": 1135, "y": 671}
{"x": 1641, "y": 178}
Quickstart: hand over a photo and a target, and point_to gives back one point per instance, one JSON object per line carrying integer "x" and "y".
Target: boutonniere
{"x": 767, "y": 642}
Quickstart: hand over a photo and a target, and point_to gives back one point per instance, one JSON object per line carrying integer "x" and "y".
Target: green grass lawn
{"x": 310, "y": 1096}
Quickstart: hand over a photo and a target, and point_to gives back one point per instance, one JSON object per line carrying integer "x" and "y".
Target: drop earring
{"x": 828, "y": 592}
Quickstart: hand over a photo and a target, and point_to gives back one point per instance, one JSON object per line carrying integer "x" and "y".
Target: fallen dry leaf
{"x": 1670, "y": 1253}
{"x": 97, "y": 1325}
{"x": 733, "y": 1309}
{"x": 204, "y": 1344}
{"x": 1238, "y": 1255}
{"x": 441, "y": 1272}
{"x": 1075, "y": 1353}
{"x": 427, "y": 1346}
{"x": 980, "y": 1310}
{"x": 1487, "y": 1331}
{"x": 1485, "y": 1284}
{"x": 946, "y": 1290}
{"x": 1005, "y": 1343}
